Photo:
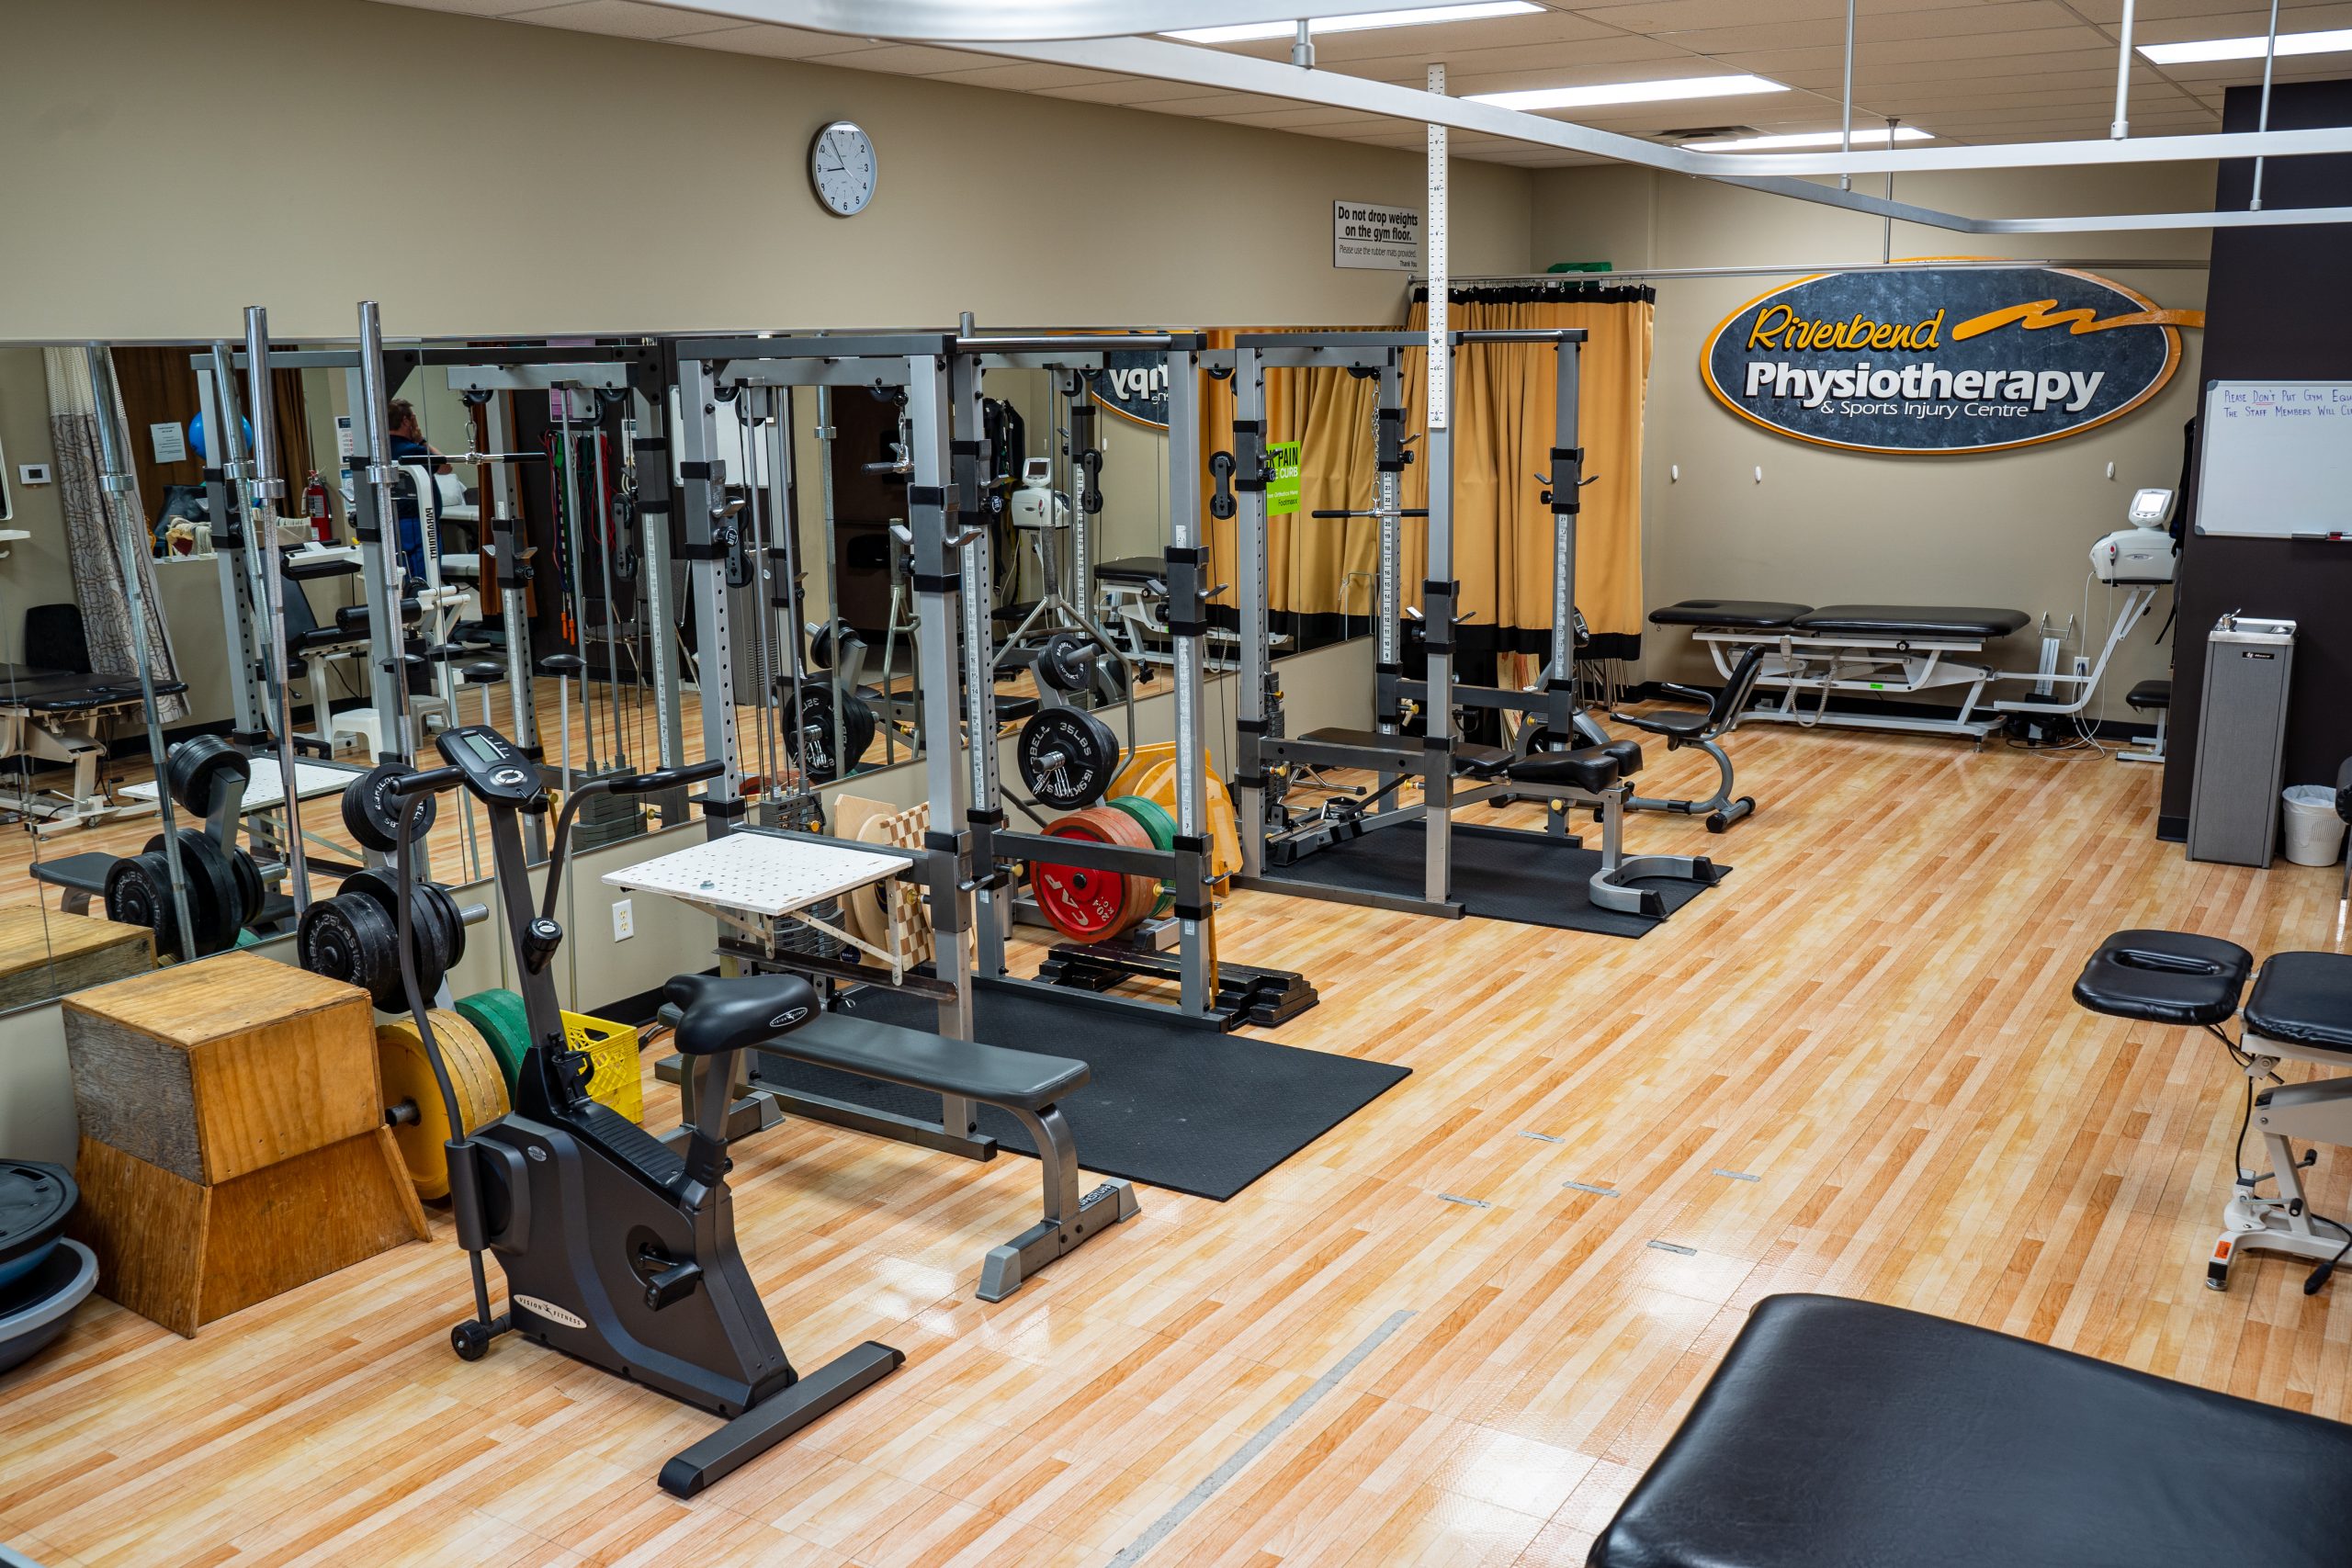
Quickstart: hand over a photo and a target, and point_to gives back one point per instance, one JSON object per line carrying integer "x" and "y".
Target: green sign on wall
{"x": 1282, "y": 490}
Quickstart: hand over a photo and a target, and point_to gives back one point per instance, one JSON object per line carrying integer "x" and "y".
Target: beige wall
{"x": 187, "y": 161}
{"x": 2010, "y": 529}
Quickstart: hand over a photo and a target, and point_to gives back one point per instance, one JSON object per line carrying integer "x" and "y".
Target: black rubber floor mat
{"x": 1498, "y": 874}
{"x": 1170, "y": 1105}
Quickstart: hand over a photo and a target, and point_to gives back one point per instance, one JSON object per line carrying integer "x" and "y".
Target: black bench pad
{"x": 1742, "y": 614}
{"x": 1371, "y": 740}
{"x": 1906, "y": 620}
{"x": 2165, "y": 977}
{"x": 1021, "y": 1080}
{"x": 2149, "y": 695}
{"x": 84, "y": 872}
{"x": 1841, "y": 1434}
{"x": 2303, "y": 998}
{"x": 1131, "y": 569}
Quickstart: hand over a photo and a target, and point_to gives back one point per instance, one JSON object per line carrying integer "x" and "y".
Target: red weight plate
{"x": 1086, "y": 905}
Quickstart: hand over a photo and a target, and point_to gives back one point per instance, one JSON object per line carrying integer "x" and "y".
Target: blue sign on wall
{"x": 1134, "y": 384}
{"x": 1942, "y": 359}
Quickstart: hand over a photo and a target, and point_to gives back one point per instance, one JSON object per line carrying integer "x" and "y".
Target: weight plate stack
{"x": 406, "y": 1072}
{"x": 500, "y": 1017}
{"x": 811, "y": 743}
{"x": 1065, "y": 757}
{"x": 1092, "y": 906}
{"x": 138, "y": 892}
{"x": 434, "y": 929}
{"x": 1161, "y": 827}
{"x": 370, "y": 814}
{"x": 352, "y": 939}
{"x": 197, "y": 770}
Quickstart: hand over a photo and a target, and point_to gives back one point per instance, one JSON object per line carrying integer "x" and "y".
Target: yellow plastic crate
{"x": 616, "y": 1080}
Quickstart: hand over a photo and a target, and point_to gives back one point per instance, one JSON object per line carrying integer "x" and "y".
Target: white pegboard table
{"x": 751, "y": 880}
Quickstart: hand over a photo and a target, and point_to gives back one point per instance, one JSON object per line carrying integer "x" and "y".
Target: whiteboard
{"x": 2276, "y": 458}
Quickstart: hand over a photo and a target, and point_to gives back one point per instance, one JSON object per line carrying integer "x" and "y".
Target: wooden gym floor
{"x": 1854, "y": 1068}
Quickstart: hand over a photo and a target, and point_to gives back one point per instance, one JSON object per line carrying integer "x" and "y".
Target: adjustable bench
{"x": 1842, "y": 1434}
{"x": 1595, "y": 777}
{"x": 1719, "y": 715}
{"x": 2301, "y": 1007}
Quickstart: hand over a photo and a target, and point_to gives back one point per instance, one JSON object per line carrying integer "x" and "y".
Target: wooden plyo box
{"x": 234, "y": 1143}
{"x": 44, "y": 955}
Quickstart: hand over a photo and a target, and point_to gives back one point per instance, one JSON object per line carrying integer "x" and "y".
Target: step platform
{"x": 1244, "y": 995}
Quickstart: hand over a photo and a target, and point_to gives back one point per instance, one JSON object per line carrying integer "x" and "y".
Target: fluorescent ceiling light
{"x": 1247, "y": 32}
{"x": 2246, "y": 48}
{"x": 1630, "y": 93}
{"x": 1808, "y": 138}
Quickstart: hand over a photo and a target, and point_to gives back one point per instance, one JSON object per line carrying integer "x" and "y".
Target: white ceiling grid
{"x": 1967, "y": 70}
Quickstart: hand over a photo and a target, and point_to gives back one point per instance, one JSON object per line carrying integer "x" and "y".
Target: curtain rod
{"x": 1670, "y": 273}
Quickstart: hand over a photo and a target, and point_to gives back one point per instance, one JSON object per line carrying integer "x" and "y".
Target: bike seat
{"x": 719, "y": 1015}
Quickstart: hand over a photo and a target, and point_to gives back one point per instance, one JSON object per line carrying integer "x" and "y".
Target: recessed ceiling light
{"x": 2247, "y": 48}
{"x": 1246, "y": 32}
{"x": 1629, "y": 92}
{"x": 1878, "y": 138}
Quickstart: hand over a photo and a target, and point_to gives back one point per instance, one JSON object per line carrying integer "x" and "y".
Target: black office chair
{"x": 1704, "y": 729}
{"x": 54, "y": 638}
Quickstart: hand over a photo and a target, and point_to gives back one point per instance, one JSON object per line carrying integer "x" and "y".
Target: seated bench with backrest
{"x": 1025, "y": 1085}
{"x": 1843, "y": 1434}
{"x": 1718, "y": 716}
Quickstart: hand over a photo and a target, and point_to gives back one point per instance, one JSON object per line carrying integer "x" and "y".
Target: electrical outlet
{"x": 624, "y": 921}
{"x": 2082, "y": 665}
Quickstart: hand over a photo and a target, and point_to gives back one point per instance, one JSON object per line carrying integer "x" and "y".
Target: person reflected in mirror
{"x": 409, "y": 446}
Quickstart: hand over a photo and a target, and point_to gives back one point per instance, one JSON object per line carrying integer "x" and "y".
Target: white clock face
{"x": 843, "y": 168}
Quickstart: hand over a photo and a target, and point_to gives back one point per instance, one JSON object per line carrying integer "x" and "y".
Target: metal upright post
{"x": 1250, "y": 791}
{"x": 375, "y": 516}
{"x": 992, "y": 911}
{"x": 930, "y": 516}
{"x": 261, "y": 528}
{"x": 232, "y": 545}
{"x": 1438, "y": 596}
{"x": 651, "y": 449}
{"x": 129, "y": 531}
{"x": 1188, "y": 625}
{"x": 1567, "y": 476}
{"x": 703, "y": 494}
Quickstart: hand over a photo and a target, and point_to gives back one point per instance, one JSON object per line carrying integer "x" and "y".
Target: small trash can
{"x": 2314, "y": 833}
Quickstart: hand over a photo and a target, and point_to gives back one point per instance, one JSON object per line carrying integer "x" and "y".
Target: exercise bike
{"x": 617, "y": 1250}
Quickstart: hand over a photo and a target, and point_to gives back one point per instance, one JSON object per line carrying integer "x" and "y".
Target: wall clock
{"x": 841, "y": 168}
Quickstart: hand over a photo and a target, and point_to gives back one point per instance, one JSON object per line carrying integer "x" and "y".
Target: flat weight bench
{"x": 2149, "y": 697}
{"x": 2301, "y": 1007}
{"x": 1842, "y": 1434}
{"x": 1024, "y": 1084}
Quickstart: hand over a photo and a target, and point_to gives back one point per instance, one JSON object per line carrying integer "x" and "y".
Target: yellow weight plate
{"x": 406, "y": 1072}
{"x": 863, "y": 821}
{"x": 1141, "y": 761}
{"x": 1157, "y": 783}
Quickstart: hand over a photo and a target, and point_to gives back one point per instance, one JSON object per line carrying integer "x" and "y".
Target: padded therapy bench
{"x": 1884, "y": 650}
{"x": 1841, "y": 1434}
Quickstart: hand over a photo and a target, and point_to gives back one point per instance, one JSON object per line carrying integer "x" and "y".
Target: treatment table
{"x": 57, "y": 715}
{"x": 1889, "y": 651}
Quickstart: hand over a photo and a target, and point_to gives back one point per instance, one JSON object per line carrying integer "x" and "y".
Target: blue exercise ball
{"x": 195, "y": 438}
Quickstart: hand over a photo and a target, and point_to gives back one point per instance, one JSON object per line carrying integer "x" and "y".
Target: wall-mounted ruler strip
{"x": 1439, "y": 379}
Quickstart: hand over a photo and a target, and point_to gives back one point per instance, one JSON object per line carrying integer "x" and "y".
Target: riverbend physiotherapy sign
{"x": 1134, "y": 385}
{"x": 1942, "y": 359}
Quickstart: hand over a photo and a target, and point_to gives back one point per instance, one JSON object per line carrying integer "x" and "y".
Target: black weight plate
{"x": 215, "y": 905}
{"x": 425, "y": 925}
{"x": 372, "y": 815}
{"x": 1062, "y": 662}
{"x": 815, "y": 732}
{"x": 453, "y": 921}
{"x": 138, "y": 892}
{"x": 1110, "y": 681}
{"x": 196, "y": 770}
{"x": 1067, "y": 757}
{"x": 250, "y": 887}
{"x": 351, "y": 941}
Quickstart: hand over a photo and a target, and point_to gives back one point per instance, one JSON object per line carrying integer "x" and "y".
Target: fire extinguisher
{"x": 314, "y": 503}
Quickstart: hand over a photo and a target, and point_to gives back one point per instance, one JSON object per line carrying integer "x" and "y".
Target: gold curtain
{"x": 1504, "y": 403}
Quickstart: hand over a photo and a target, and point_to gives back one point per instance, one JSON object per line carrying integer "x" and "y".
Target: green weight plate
{"x": 500, "y": 1017}
{"x": 1154, "y": 819}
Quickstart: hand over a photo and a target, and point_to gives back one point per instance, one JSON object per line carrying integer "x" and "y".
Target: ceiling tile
{"x": 782, "y": 43}
{"x": 622, "y": 18}
{"x": 473, "y": 7}
{"x": 913, "y": 60}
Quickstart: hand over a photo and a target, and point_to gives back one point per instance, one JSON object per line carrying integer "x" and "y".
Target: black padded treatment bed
{"x": 1842, "y": 1434}
{"x": 1862, "y": 651}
